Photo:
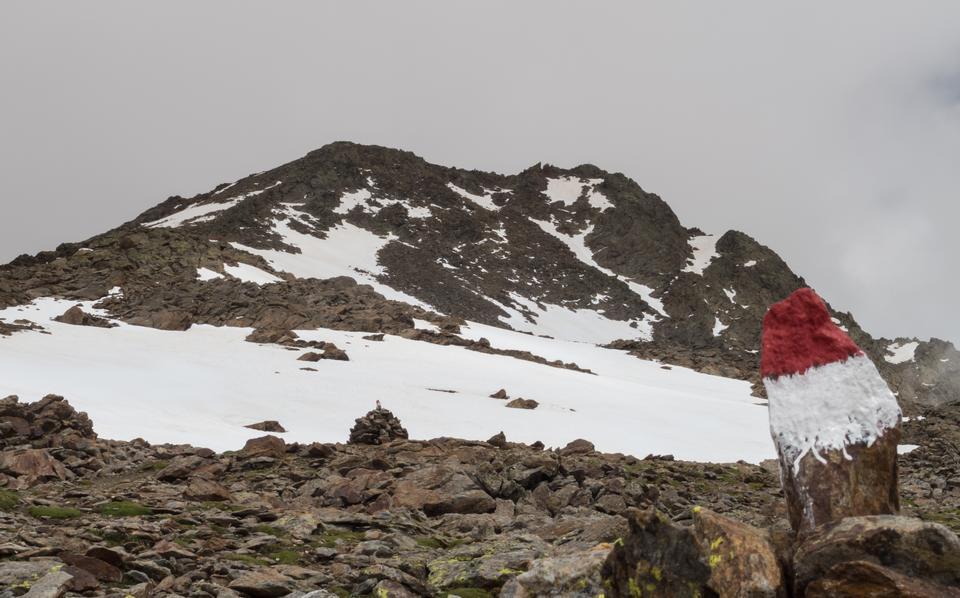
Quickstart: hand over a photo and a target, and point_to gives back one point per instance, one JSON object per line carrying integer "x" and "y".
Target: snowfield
{"x": 203, "y": 385}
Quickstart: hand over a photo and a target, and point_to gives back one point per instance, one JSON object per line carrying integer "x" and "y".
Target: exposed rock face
{"x": 834, "y": 421}
{"x": 377, "y": 427}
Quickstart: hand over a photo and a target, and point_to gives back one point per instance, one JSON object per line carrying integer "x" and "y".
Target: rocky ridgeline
{"x": 93, "y": 517}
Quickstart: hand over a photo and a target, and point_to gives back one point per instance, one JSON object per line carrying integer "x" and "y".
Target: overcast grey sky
{"x": 828, "y": 131}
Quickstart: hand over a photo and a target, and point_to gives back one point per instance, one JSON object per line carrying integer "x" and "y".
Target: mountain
{"x": 351, "y": 241}
{"x": 360, "y": 374}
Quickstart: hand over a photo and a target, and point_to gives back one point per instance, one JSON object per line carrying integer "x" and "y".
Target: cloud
{"x": 828, "y": 132}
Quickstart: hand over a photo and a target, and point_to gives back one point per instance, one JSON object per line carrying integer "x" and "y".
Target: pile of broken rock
{"x": 84, "y": 516}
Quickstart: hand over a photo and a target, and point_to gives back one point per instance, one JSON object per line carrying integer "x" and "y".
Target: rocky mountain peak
{"x": 579, "y": 254}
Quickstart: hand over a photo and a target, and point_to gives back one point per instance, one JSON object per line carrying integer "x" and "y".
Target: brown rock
{"x": 269, "y": 425}
{"x": 903, "y": 544}
{"x": 180, "y": 468}
{"x": 271, "y": 335}
{"x": 662, "y": 559}
{"x": 101, "y": 570}
{"x": 742, "y": 560}
{"x": 107, "y": 555}
{"x": 859, "y": 579}
{"x": 81, "y": 580}
{"x": 331, "y": 351}
{"x": 500, "y": 394}
{"x": 578, "y": 447}
{"x": 263, "y": 583}
{"x": 523, "y": 404}
{"x": 862, "y": 482}
{"x": 76, "y": 316}
{"x": 310, "y": 356}
{"x": 498, "y": 440}
{"x": 206, "y": 490}
{"x": 31, "y": 466}
{"x": 392, "y": 589}
{"x": 264, "y": 446}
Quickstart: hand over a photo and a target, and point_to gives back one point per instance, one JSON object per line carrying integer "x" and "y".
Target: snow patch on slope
{"x": 248, "y": 273}
{"x": 347, "y": 250}
{"x": 205, "y": 274}
{"x": 901, "y": 353}
{"x": 568, "y": 190}
{"x": 704, "y": 251}
{"x": 202, "y": 212}
{"x": 484, "y": 201}
{"x": 576, "y": 325}
{"x": 215, "y": 383}
{"x": 363, "y": 199}
{"x": 578, "y": 245}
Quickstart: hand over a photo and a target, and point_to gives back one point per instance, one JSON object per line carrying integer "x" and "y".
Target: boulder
{"x": 575, "y": 575}
{"x": 658, "y": 558}
{"x": 717, "y": 556}
{"x": 908, "y": 546}
{"x": 264, "y": 446}
{"x": 76, "y": 316}
{"x": 101, "y": 570}
{"x": 271, "y": 335}
{"x": 857, "y": 579}
{"x": 523, "y": 404}
{"x": 578, "y": 447}
{"x": 262, "y": 583}
{"x": 206, "y": 490}
{"x": 52, "y": 585}
{"x": 742, "y": 559}
{"x": 498, "y": 440}
{"x": 31, "y": 466}
{"x": 500, "y": 394}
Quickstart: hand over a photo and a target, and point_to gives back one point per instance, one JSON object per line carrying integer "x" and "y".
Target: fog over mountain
{"x": 827, "y": 133}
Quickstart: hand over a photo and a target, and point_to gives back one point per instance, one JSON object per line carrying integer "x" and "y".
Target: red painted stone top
{"x": 798, "y": 335}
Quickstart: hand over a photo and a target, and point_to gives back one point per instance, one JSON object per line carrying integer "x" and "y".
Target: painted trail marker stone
{"x": 833, "y": 419}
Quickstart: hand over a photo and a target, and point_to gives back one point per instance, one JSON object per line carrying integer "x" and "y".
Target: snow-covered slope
{"x": 203, "y": 385}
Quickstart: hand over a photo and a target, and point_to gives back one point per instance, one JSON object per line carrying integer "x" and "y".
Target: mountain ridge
{"x": 578, "y": 252}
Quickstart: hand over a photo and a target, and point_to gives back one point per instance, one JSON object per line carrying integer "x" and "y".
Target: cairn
{"x": 377, "y": 427}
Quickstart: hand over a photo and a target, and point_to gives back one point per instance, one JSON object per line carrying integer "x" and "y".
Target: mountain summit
{"x": 355, "y": 238}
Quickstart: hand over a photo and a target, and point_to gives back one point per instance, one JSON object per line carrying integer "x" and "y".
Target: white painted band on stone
{"x": 830, "y": 407}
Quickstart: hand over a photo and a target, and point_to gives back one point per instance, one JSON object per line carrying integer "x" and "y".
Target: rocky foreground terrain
{"x": 80, "y": 515}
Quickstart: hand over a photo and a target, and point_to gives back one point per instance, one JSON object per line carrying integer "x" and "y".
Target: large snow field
{"x": 203, "y": 385}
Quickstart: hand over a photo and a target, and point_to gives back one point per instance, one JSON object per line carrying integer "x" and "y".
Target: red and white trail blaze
{"x": 833, "y": 419}
{"x": 824, "y": 392}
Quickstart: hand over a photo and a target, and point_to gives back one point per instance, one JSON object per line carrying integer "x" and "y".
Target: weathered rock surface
{"x": 76, "y": 316}
{"x": 908, "y": 546}
{"x": 523, "y": 404}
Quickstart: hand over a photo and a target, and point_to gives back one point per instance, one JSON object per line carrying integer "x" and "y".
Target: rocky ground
{"x": 440, "y": 517}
